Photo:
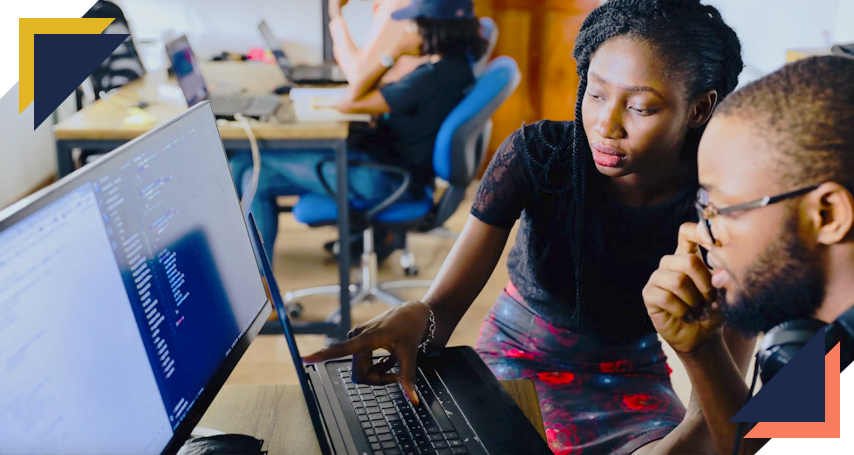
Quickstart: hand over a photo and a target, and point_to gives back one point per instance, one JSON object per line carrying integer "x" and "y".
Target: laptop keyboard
{"x": 231, "y": 103}
{"x": 245, "y": 104}
{"x": 393, "y": 426}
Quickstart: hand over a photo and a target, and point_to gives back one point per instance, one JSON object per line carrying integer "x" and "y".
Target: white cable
{"x": 249, "y": 191}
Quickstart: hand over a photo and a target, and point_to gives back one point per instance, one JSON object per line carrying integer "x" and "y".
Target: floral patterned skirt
{"x": 595, "y": 398}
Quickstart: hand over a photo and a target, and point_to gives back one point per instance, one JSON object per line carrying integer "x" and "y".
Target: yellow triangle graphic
{"x": 27, "y": 28}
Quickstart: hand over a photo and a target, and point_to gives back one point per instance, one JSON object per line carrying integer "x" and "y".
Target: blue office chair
{"x": 489, "y": 31}
{"x": 459, "y": 151}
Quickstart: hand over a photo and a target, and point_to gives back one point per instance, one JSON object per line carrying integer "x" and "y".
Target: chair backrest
{"x": 489, "y": 31}
{"x": 464, "y": 135}
{"x": 124, "y": 64}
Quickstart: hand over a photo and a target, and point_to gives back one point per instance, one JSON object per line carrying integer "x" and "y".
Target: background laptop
{"x": 128, "y": 292}
{"x": 300, "y": 74}
{"x": 463, "y": 408}
{"x": 195, "y": 90}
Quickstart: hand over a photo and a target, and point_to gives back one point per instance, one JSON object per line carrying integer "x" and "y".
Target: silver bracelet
{"x": 432, "y": 335}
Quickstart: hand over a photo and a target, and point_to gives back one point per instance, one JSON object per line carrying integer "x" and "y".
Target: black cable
{"x": 737, "y": 442}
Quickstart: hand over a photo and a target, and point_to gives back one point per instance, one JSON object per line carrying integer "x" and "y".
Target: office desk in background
{"x": 102, "y": 127}
{"x": 278, "y": 414}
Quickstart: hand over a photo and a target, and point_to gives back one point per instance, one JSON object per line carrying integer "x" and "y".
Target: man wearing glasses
{"x": 776, "y": 166}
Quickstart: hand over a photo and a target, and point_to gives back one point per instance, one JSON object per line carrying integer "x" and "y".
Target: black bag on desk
{"x": 223, "y": 444}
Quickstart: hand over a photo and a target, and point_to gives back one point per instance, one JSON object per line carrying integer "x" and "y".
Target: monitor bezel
{"x": 29, "y": 205}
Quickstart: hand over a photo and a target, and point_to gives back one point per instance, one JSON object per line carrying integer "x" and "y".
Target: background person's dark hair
{"x": 697, "y": 45}
{"x": 449, "y": 37}
{"x": 806, "y": 110}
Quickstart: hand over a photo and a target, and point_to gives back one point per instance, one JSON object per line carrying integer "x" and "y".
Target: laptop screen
{"x": 187, "y": 70}
{"x": 275, "y": 48}
{"x": 124, "y": 290}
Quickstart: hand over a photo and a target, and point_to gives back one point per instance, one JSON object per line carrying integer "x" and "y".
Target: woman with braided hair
{"x": 600, "y": 201}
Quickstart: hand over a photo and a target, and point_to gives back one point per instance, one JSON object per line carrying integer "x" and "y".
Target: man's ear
{"x": 702, "y": 108}
{"x": 832, "y": 213}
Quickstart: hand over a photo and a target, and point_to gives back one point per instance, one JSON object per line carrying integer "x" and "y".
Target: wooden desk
{"x": 278, "y": 414}
{"x": 103, "y": 126}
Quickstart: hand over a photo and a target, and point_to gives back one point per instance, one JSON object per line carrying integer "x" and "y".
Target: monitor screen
{"x": 187, "y": 70}
{"x": 275, "y": 47}
{"x": 127, "y": 293}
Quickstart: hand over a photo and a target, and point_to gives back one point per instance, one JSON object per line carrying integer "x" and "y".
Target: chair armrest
{"x": 395, "y": 195}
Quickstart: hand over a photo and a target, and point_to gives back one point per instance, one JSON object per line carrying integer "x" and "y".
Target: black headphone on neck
{"x": 783, "y": 342}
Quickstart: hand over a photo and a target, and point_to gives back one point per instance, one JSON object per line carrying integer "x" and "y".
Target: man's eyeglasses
{"x": 707, "y": 211}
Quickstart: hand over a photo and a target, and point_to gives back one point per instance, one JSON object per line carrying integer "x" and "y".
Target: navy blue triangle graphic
{"x": 62, "y": 63}
{"x": 795, "y": 394}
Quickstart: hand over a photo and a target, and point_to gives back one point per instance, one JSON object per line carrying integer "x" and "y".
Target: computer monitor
{"x": 128, "y": 292}
{"x": 187, "y": 70}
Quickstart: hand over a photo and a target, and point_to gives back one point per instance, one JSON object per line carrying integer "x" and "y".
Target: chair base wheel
{"x": 295, "y": 310}
{"x": 410, "y": 271}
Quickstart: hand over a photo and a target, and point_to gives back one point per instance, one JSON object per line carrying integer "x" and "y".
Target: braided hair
{"x": 691, "y": 37}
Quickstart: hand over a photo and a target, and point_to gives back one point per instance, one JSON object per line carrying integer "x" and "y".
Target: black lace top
{"x": 529, "y": 179}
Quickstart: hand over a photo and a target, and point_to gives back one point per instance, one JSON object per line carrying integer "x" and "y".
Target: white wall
{"x": 767, "y": 28}
{"x": 214, "y": 26}
{"x": 27, "y": 157}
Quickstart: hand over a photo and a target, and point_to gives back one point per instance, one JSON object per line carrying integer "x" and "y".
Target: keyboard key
{"x": 355, "y": 398}
{"x": 459, "y": 450}
{"x": 392, "y": 452}
{"x": 440, "y": 444}
{"x": 349, "y": 386}
{"x": 357, "y": 404}
{"x": 389, "y": 445}
{"x": 451, "y": 435}
{"x": 369, "y": 402}
{"x": 369, "y": 432}
{"x": 396, "y": 423}
{"x": 366, "y": 425}
{"x": 371, "y": 409}
{"x": 436, "y": 437}
{"x": 389, "y": 411}
{"x": 386, "y": 405}
{"x": 381, "y": 431}
{"x": 395, "y": 395}
{"x": 375, "y": 416}
{"x": 360, "y": 411}
{"x": 345, "y": 374}
{"x": 383, "y": 399}
{"x": 406, "y": 446}
{"x": 432, "y": 429}
{"x": 376, "y": 446}
{"x": 455, "y": 443}
{"x": 378, "y": 387}
{"x": 352, "y": 392}
{"x": 363, "y": 418}
{"x": 387, "y": 437}
{"x": 443, "y": 452}
{"x": 372, "y": 439}
{"x": 392, "y": 417}
{"x": 379, "y": 392}
{"x": 366, "y": 393}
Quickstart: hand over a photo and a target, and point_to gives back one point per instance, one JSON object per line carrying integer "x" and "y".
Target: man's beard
{"x": 786, "y": 282}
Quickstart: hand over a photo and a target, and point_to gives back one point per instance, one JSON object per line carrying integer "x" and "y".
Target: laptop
{"x": 463, "y": 408}
{"x": 300, "y": 74}
{"x": 129, "y": 290}
{"x": 195, "y": 90}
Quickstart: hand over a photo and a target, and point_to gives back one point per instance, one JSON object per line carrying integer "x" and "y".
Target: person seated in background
{"x": 384, "y": 33}
{"x": 786, "y": 136}
{"x": 409, "y": 114}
